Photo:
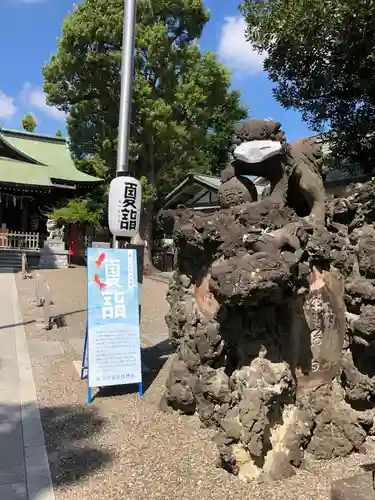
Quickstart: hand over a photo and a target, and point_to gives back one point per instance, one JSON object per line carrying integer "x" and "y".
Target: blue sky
{"x": 28, "y": 32}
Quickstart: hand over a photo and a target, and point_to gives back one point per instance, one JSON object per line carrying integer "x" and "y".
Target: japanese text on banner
{"x": 113, "y": 297}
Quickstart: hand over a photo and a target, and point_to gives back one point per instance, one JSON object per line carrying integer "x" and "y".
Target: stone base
{"x": 359, "y": 487}
{"x": 53, "y": 255}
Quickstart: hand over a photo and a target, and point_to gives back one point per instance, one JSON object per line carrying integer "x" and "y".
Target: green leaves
{"x": 320, "y": 54}
{"x": 85, "y": 211}
{"x": 29, "y": 122}
{"x": 90, "y": 210}
{"x": 183, "y": 110}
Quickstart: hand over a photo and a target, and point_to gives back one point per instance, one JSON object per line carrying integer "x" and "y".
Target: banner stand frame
{"x": 85, "y": 356}
{"x": 85, "y": 366}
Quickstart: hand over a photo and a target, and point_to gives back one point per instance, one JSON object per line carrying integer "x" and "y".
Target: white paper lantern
{"x": 124, "y": 206}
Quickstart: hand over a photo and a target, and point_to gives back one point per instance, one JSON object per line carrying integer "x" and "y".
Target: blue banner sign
{"x": 113, "y": 333}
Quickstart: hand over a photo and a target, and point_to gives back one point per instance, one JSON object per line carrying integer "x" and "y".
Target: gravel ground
{"x": 122, "y": 446}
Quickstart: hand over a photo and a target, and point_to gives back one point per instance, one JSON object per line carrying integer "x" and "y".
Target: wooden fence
{"x": 18, "y": 239}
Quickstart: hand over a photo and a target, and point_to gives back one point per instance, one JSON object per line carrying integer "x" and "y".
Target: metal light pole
{"x": 127, "y": 73}
{"x": 127, "y": 77}
{"x": 127, "y": 70}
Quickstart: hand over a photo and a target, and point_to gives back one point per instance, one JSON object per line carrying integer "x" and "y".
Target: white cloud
{"x": 235, "y": 51}
{"x": 36, "y": 98}
{"x": 7, "y": 107}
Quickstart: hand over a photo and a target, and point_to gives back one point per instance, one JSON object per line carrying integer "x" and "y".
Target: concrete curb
{"x": 38, "y": 475}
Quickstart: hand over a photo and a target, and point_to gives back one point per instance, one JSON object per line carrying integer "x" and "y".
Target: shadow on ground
{"x": 67, "y": 430}
{"x": 368, "y": 467}
{"x": 2, "y": 327}
{"x": 153, "y": 360}
{"x": 60, "y": 320}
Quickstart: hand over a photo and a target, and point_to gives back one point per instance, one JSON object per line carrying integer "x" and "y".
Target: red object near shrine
{"x": 74, "y": 234}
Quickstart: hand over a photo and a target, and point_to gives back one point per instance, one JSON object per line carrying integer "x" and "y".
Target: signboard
{"x": 113, "y": 333}
{"x": 124, "y": 206}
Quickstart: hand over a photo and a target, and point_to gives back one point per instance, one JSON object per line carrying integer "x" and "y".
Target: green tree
{"x": 183, "y": 108}
{"x": 29, "y": 122}
{"x": 321, "y": 56}
{"x": 59, "y": 133}
{"x": 91, "y": 209}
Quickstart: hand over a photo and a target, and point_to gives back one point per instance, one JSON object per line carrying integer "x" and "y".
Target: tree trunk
{"x": 146, "y": 233}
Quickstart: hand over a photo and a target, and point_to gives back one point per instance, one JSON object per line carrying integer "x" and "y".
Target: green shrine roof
{"x": 38, "y": 160}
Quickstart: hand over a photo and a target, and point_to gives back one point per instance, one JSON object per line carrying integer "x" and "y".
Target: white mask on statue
{"x": 257, "y": 151}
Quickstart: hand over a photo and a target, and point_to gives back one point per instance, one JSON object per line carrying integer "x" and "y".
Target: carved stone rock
{"x": 271, "y": 314}
{"x": 235, "y": 191}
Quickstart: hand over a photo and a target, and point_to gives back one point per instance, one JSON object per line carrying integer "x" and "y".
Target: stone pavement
{"x": 24, "y": 468}
{"x": 122, "y": 447}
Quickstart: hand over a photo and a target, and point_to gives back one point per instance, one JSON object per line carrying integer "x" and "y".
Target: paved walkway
{"x": 24, "y": 469}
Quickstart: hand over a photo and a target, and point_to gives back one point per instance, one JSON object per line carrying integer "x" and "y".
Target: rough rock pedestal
{"x": 271, "y": 314}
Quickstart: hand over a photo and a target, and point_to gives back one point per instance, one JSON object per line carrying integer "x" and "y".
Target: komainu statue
{"x": 271, "y": 311}
{"x": 55, "y": 231}
{"x": 294, "y": 171}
